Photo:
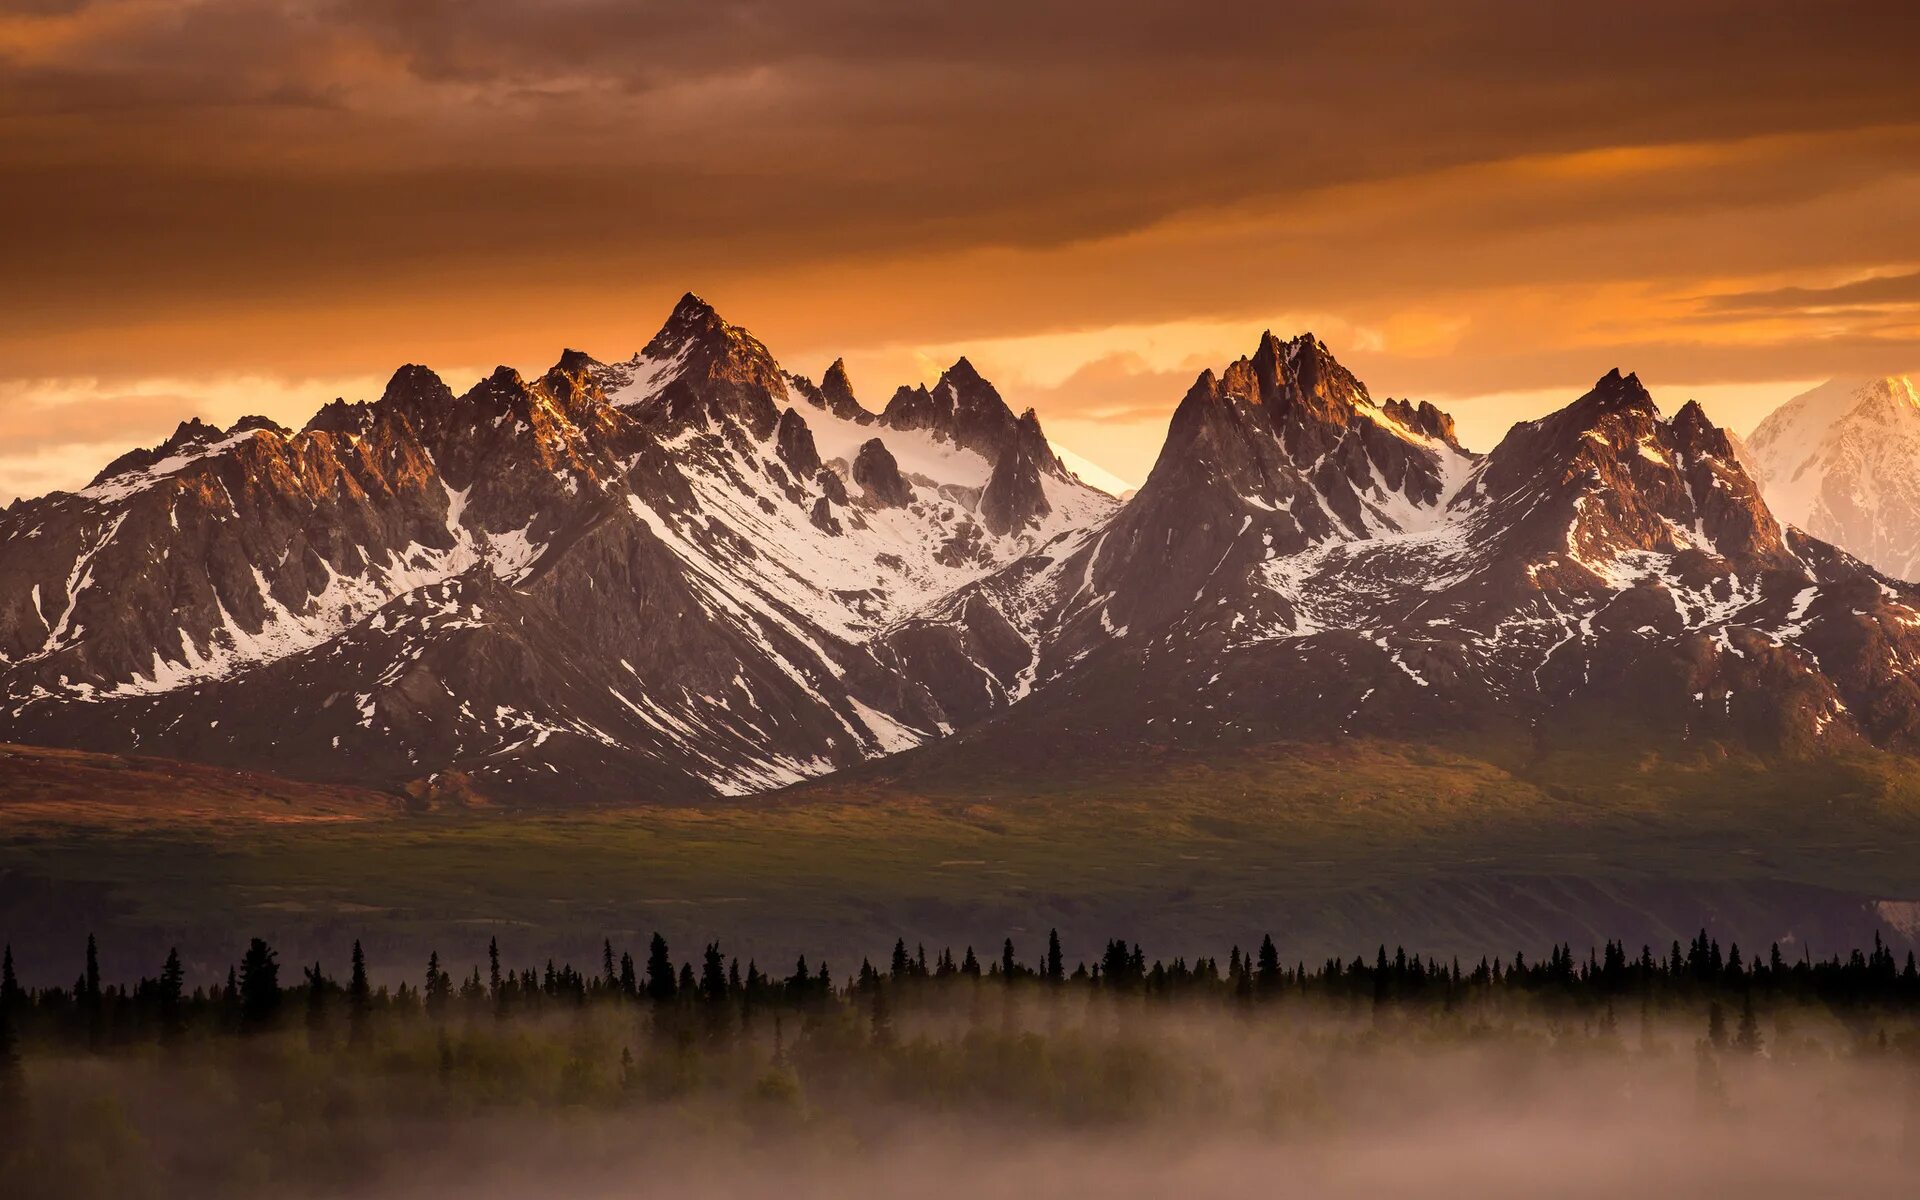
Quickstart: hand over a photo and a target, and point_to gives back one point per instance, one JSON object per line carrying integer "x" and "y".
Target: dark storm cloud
{"x": 906, "y": 124}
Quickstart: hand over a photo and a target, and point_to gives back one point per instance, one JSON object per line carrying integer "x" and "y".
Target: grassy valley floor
{"x": 1326, "y": 847}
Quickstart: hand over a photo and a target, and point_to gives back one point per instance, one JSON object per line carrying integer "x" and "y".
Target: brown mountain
{"x": 692, "y": 573}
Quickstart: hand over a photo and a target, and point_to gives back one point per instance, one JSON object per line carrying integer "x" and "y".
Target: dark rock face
{"x": 1014, "y": 497}
{"x": 836, "y": 391}
{"x": 795, "y": 441}
{"x": 724, "y": 372}
{"x": 875, "y": 470}
{"x": 823, "y": 519}
{"x": 831, "y": 487}
{"x": 1423, "y": 418}
{"x": 964, "y": 409}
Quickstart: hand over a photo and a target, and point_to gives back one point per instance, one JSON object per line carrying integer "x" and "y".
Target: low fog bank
{"x": 998, "y": 1097}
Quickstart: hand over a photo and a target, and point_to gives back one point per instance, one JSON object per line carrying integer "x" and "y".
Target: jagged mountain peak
{"x": 1296, "y": 368}
{"x": 963, "y": 374}
{"x": 1424, "y": 418}
{"x": 694, "y": 327}
{"x": 1615, "y": 392}
{"x": 699, "y": 370}
{"x": 190, "y": 436}
{"x": 340, "y": 416}
{"x": 661, "y": 577}
{"x": 692, "y": 316}
{"x": 1608, "y": 489}
{"x": 575, "y": 362}
{"x": 963, "y": 408}
{"x": 1696, "y": 434}
{"x": 1288, "y": 423}
{"x": 415, "y": 386}
{"x": 835, "y": 394}
{"x": 503, "y": 379}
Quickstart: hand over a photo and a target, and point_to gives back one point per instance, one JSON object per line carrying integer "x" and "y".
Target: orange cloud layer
{"x": 1487, "y": 204}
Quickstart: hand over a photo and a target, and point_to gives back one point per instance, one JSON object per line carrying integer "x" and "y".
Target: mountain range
{"x": 695, "y": 573}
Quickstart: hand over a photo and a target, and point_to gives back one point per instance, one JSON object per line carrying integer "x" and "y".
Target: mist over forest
{"x": 1699, "y": 1071}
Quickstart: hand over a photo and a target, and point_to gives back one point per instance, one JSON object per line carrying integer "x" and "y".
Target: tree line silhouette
{"x": 716, "y": 993}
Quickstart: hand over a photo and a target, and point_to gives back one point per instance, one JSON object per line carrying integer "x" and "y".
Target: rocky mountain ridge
{"x": 694, "y": 573}
{"x": 655, "y": 578}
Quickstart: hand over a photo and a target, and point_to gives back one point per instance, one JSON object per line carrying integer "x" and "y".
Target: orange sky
{"x": 227, "y": 206}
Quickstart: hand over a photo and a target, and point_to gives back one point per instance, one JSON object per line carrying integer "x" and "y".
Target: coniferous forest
{"x": 1720, "y": 1070}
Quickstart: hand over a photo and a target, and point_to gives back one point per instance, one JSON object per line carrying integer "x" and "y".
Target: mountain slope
{"x": 1843, "y": 463}
{"x": 1304, "y": 562}
{"x": 693, "y": 573}
{"x": 649, "y": 579}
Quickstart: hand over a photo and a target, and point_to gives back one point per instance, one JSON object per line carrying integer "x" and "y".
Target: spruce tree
{"x": 1056, "y": 965}
{"x": 9, "y": 984}
{"x": 359, "y": 999}
{"x": 259, "y": 986}
{"x": 172, "y": 984}
{"x": 439, "y": 987}
{"x": 660, "y": 982}
{"x": 92, "y": 1010}
{"x": 1266, "y": 978}
{"x": 713, "y": 975}
{"x": 1007, "y": 964}
{"x": 493, "y": 969}
{"x": 91, "y": 987}
{"x": 1716, "y": 1026}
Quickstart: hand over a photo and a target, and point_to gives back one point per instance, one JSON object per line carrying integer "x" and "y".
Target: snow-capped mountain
{"x": 1305, "y": 561}
{"x": 661, "y": 577}
{"x": 1843, "y": 463}
{"x": 694, "y": 572}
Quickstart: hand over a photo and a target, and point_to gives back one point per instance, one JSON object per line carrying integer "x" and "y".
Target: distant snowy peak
{"x": 1091, "y": 473}
{"x": 1842, "y": 462}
